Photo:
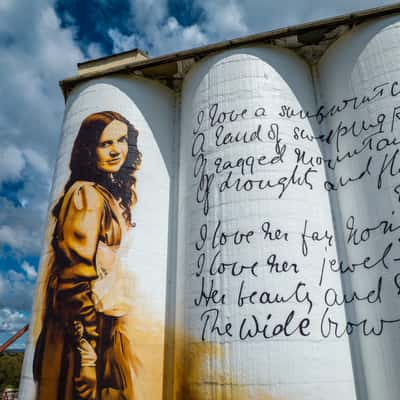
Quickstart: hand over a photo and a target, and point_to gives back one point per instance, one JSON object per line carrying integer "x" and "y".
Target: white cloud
{"x": 187, "y": 35}
{"x": 37, "y": 161}
{"x": 148, "y": 12}
{"x": 16, "y": 294}
{"x": 233, "y": 18}
{"x": 225, "y": 20}
{"x": 12, "y": 163}
{"x": 11, "y": 321}
{"x": 22, "y": 228}
{"x": 36, "y": 54}
{"x": 159, "y": 32}
{"x": 167, "y": 37}
{"x": 16, "y": 291}
{"x": 15, "y": 276}
{"x": 29, "y": 270}
{"x": 122, "y": 42}
{"x": 5, "y": 5}
{"x": 20, "y": 239}
{"x": 94, "y": 51}
{"x": 14, "y": 160}
{"x": 8, "y": 236}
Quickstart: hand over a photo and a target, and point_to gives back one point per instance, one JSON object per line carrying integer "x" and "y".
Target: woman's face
{"x": 112, "y": 147}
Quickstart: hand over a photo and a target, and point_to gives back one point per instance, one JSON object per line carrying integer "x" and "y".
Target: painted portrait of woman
{"x": 83, "y": 350}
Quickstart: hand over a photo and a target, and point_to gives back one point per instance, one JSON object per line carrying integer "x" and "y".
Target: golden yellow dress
{"x": 86, "y": 284}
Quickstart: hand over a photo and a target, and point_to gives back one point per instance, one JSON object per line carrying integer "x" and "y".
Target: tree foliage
{"x": 10, "y": 369}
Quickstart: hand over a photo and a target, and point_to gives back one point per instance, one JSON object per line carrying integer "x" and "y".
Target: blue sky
{"x": 41, "y": 41}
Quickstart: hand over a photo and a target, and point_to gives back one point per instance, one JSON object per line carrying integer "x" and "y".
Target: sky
{"x": 41, "y": 42}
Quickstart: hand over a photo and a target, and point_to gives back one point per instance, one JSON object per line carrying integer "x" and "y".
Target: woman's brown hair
{"x": 83, "y": 162}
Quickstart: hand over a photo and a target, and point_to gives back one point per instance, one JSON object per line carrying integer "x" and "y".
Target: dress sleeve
{"x": 80, "y": 232}
{"x": 78, "y": 238}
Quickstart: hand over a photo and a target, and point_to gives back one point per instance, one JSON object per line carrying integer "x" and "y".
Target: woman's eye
{"x": 123, "y": 139}
{"x": 105, "y": 144}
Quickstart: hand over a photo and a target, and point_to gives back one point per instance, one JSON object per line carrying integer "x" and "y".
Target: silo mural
{"x": 83, "y": 332}
{"x": 252, "y": 298}
{"x": 98, "y": 329}
{"x": 231, "y": 231}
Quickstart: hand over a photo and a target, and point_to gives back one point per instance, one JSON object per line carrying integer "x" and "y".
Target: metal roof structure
{"x": 309, "y": 40}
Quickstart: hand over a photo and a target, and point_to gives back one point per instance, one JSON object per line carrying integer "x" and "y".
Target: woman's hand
{"x": 78, "y": 330}
{"x": 86, "y": 382}
{"x": 88, "y": 355}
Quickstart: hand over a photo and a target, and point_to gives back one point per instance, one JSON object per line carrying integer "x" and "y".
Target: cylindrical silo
{"x": 255, "y": 228}
{"x": 99, "y": 318}
{"x": 358, "y": 77}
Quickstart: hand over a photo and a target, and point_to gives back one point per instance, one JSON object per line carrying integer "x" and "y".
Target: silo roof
{"x": 309, "y": 40}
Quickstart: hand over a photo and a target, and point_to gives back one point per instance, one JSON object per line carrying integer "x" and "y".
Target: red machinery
{"x": 13, "y": 338}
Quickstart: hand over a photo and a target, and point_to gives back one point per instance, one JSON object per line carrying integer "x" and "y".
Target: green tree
{"x": 10, "y": 369}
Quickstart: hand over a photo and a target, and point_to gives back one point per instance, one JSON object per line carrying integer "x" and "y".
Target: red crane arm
{"x": 13, "y": 338}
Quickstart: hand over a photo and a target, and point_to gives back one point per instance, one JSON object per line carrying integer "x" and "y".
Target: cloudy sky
{"x": 40, "y": 42}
